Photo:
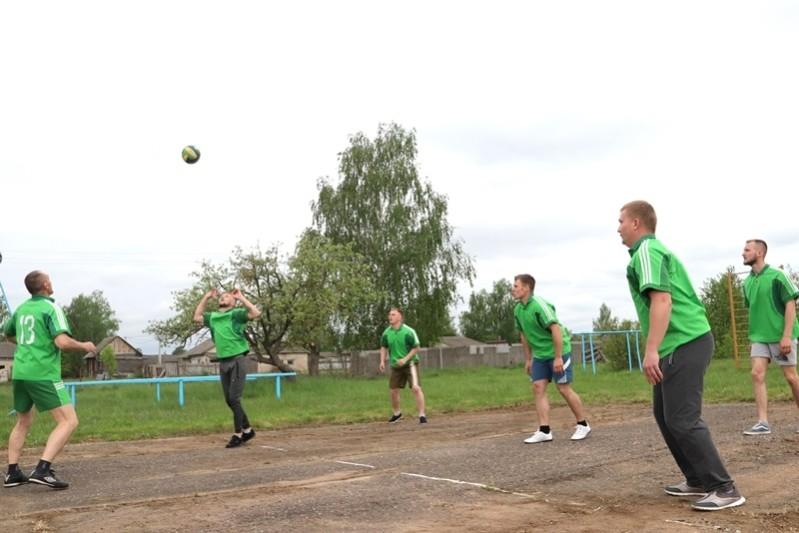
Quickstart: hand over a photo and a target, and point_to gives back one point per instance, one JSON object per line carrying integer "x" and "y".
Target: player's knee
{"x": 792, "y": 379}
{"x": 24, "y": 422}
{"x": 680, "y": 426}
{"x": 758, "y": 375}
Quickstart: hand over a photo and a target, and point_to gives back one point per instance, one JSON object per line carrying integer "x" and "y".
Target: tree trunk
{"x": 313, "y": 359}
{"x": 274, "y": 360}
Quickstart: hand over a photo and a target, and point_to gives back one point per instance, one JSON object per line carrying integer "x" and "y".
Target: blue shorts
{"x": 544, "y": 369}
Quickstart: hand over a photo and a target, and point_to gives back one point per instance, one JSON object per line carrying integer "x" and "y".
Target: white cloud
{"x": 538, "y": 120}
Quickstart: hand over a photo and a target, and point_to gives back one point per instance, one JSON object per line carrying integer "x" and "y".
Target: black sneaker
{"x": 247, "y": 436}
{"x": 15, "y": 479}
{"x": 394, "y": 418}
{"x": 48, "y": 479}
{"x": 234, "y": 442}
{"x": 423, "y": 420}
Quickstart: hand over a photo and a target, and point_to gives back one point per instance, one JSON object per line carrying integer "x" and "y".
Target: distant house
{"x": 203, "y": 357}
{"x": 6, "y": 359}
{"x": 129, "y": 359}
{"x": 457, "y": 341}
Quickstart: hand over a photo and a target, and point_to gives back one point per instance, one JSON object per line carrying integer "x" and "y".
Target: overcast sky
{"x": 538, "y": 120}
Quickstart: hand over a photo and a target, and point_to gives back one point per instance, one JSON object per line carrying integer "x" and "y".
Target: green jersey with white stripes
{"x": 766, "y": 294}
{"x": 534, "y": 319}
{"x": 653, "y": 267}
{"x": 34, "y": 325}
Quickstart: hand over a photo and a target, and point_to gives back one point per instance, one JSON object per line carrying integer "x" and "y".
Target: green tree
{"x": 109, "y": 360}
{"x": 606, "y": 321}
{"x": 304, "y": 299}
{"x": 490, "y": 315}
{"x": 90, "y": 318}
{"x": 330, "y": 283}
{"x": 716, "y": 298}
{"x": 614, "y": 346}
{"x": 397, "y": 222}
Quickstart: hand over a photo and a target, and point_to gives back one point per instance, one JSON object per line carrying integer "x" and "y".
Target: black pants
{"x": 233, "y": 374}
{"x": 677, "y": 405}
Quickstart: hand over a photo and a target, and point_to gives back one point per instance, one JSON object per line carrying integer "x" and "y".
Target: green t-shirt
{"x": 765, "y": 295}
{"x": 533, "y": 320}
{"x": 227, "y": 330}
{"x": 653, "y": 267}
{"x": 399, "y": 342}
{"x": 34, "y": 325}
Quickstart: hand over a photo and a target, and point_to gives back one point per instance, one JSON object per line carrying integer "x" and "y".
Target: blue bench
{"x": 180, "y": 380}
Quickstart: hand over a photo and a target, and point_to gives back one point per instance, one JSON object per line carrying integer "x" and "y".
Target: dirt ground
{"x": 461, "y": 472}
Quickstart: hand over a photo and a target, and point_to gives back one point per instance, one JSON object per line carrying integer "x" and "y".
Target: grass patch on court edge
{"x": 121, "y": 412}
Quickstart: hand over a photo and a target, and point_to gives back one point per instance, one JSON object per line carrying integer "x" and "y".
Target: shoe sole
{"x": 9, "y": 485}
{"x": 45, "y": 484}
{"x": 755, "y": 433}
{"x": 674, "y": 493}
{"x": 581, "y": 438}
{"x": 736, "y": 503}
{"x": 536, "y": 441}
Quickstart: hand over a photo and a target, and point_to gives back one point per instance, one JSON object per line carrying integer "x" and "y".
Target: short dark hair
{"x": 34, "y": 281}
{"x": 643, "y": 211}
{"x": 397, "y": 309}
{"x": 526, "y": 279}
{"x": 762, "y": 243}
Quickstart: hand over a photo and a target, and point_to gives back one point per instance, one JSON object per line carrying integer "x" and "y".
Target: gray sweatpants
{"x": 233, "y": 374}
{"x": 677, "y": 405}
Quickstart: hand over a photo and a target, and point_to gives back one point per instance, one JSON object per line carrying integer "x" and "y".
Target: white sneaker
{"x": 539, "y": 436}
{"x": 581, "y": 432}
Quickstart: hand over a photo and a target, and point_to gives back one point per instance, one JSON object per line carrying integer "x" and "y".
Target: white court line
{"x": 480, "y": 485}
{"x": 354, "y": 464}
{"x": 273, "y": 448}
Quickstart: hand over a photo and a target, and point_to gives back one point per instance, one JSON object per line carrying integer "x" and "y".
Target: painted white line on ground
{"x": 273, "y": 448}
{"x": 480, "y": 485}
{"x": 354, "y": 464}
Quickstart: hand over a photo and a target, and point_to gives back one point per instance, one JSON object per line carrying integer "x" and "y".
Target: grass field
{"x": 122, "y": 412}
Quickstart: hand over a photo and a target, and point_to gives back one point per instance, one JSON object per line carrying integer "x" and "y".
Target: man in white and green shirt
{"x": 770, "y": 296}
{"x": 227, "y": 330}
{"x": 401, "y": 343}
{"x": 679, "y": 346}
{"x": 547, "y": 350}
{"x": 40, "y": 330}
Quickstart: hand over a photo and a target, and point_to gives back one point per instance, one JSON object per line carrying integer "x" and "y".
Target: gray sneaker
{"x": 720, "y": 499}
{"x": 684, "y": 489}
{"x": 761, "y": 428}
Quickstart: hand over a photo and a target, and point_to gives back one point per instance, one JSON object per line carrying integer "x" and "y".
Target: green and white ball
{"x": 190, "y": 154}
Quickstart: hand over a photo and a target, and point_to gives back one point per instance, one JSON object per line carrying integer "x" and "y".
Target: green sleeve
{"x": 240, "y": 315}
{"x": 207, "y": 319}
{"x": 10, "y": 327}
{"x": 56, "y": 322}
{"x": 411, "y": 340}
{"x": 745, "y": 292}
{"x": 788, "y": 290}
{"x": 652, "y": 270}
{"x": 384, "y": 340}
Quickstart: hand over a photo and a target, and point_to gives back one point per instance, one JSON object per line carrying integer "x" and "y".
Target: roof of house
{"x": 456, "y": 341}
{"x": 108, "y": 340}
{"x": 205, "y": 347}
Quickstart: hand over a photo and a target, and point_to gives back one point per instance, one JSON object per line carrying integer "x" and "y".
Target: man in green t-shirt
{"x": 400, "y": 342}
{"x": 679, "y": 347}
{"x": 547, "y": 350}
{"x": 770, "y": 296}
{"x": 40, "y": 330}
{"x": 228, "y": 332}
